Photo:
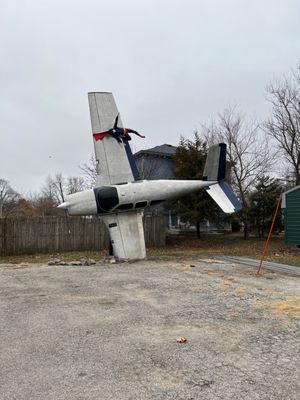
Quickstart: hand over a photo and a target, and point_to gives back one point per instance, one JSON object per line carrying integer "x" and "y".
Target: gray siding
{"x": 155, "y": 167}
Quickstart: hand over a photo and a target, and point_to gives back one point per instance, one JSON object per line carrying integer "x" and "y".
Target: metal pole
{"x": 263, "y": 255}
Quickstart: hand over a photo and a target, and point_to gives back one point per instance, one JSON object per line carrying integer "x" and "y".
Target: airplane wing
{"x": 126, "y": 233}
{"x": 115, "y": 162}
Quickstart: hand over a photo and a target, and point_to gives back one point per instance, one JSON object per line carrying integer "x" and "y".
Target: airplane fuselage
{"x": 128, "y": 196}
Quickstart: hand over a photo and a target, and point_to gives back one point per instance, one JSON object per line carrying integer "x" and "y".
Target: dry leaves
{"x": 181, "y": 339}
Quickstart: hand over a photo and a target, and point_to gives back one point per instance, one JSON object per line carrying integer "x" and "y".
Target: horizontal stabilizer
{"x": 224, "y": 197}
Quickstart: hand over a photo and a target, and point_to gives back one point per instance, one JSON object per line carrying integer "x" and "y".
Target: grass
{"x": 227, "y": 244}
{"x": 179, "y": 247}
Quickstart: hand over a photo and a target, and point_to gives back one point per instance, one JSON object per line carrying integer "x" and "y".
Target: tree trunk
{"x": 297, "y": 178}
{"x": 198, "y": 228}
{"x": 263, "y": 231}
{"x": 297, "y": 171}
{"x": 259, "y": 232}
{"x": 246, "y": 230}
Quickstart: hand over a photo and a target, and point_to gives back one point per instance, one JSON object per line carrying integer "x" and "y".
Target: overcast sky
{"x": 171, "y": 65}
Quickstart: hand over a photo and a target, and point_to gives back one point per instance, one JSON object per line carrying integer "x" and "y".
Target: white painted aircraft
{"x": 120, "y": 198}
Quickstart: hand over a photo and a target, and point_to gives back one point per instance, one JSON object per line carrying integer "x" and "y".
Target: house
{"x": 156, "y": 163}
{"x": 291, "y": 211}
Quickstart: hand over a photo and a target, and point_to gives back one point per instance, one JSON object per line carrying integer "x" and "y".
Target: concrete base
{"x": 127, "y": 235}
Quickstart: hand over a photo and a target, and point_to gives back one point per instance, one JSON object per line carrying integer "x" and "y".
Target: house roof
{"x": 165, "y": 150}
{"x": 283, "y": 201}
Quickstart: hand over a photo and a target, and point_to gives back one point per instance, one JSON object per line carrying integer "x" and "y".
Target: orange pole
{"x": 263, "y": 255}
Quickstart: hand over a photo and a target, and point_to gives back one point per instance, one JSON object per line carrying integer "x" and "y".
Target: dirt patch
{"x": 289, "y": 306}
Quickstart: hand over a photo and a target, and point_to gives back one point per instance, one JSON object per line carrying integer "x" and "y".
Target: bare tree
{"x": 57, "y": 187}
{"x": 148, "y": 167}
{"x": 75, "y": 184}
{"x": 53, "y": 188}
{"x": 59, "y": 184}
{"x": 247, "y": 152}
{"x": 89, "y": 170}
{"x": 43, "y": 204}
{"x": 8, "y": 197}
{"x": 284, "y": 123}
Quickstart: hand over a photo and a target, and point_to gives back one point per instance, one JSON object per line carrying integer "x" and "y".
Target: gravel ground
{"x": 109, "y": 332}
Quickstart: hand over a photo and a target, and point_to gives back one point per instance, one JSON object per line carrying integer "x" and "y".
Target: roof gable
{"x": 164, "y": 150}
{"x": 283, "y": 202}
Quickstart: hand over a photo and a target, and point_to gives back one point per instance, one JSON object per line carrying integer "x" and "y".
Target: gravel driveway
{"x": 109, "y": 332}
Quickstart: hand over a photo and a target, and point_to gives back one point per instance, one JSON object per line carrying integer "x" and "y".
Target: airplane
{"x": 120, "y": 198}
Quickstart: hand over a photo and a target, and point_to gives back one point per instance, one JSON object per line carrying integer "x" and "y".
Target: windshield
{"x": 106, "y": 198}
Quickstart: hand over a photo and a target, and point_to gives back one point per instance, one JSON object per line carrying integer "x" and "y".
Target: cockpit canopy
{"x": 106, "y": 198}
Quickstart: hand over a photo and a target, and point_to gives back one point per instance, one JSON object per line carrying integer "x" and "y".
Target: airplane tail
{"x": 215, "y": 170}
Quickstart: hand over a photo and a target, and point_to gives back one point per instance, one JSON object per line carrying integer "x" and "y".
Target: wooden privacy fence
{"x": 56, "y": 234}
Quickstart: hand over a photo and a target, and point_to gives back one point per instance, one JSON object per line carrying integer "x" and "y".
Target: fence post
{"x": 3, "y": 236}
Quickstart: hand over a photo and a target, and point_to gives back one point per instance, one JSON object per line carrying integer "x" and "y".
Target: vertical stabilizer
{"x": 215, "y": 170}
{"x": 215, "y": 166}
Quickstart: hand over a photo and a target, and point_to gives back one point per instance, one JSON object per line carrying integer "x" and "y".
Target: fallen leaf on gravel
{"x": 181, "y": 339}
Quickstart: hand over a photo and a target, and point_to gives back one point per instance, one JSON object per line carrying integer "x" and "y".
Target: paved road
{"x": 109, "y": 332}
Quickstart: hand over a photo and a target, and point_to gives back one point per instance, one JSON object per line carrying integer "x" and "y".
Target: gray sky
{"x": 171, "y": 65}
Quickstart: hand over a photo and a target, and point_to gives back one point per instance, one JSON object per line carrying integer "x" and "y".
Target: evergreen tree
{"x": 262, "y": 204}
{"x": 189, "y": 161}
